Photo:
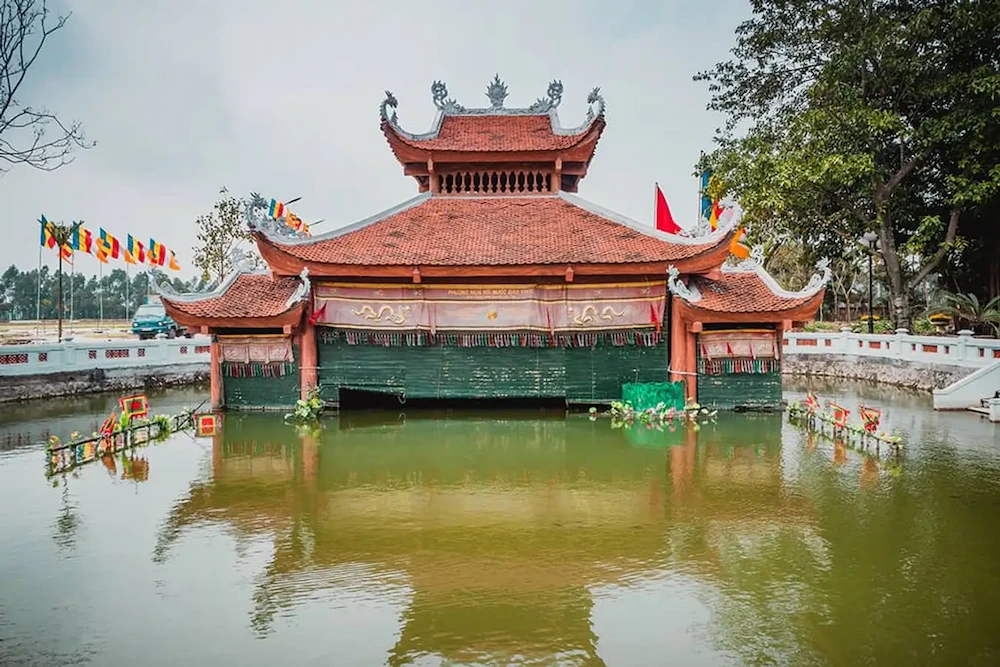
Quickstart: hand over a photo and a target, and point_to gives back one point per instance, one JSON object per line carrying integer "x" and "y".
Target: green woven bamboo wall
{"x": 577, "y": 374}
{"x": 740, "y": 390}
{"x": 270, "y": 393}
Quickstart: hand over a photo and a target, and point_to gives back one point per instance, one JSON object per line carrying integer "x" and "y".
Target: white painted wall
{"x": 980, "y": 355}
{"x": 995, "y": 410}
{"x": 85, "y": 355}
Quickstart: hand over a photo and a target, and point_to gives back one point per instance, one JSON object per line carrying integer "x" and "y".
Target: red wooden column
{"x": 215, "y": 373}
{"x": 308, "y": 360}
{"x": 691, "y": 359}
{"x": 678, "y": 350}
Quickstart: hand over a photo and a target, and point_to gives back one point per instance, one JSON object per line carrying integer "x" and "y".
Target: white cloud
{"x": 184, "y": 97}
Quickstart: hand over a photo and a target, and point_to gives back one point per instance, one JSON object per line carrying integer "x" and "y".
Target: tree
{"x": 29, "y": 134}
{"x": 847, "y": 116}
{"x": 220, "y": 233}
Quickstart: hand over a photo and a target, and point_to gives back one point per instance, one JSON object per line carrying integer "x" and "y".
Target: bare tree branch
{"x": 30, "y": 135}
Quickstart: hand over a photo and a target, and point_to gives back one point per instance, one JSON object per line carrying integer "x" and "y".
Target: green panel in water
{"x": 254, "y": 393}
{"x": 490, "y": 372}
{"x": 740, "y": 390}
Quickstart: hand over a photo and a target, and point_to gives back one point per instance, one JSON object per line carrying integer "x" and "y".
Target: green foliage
{"x": 220, "y": 232}
{"x": 307, "y": 410}
{"x": 968, "y": 311}
{"x": 122, "y": 293}
{"x": 164, "y": 424}
{"x": 845, "y": 117}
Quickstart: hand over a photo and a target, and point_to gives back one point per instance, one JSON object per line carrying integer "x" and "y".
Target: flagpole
{"x": 128, "y": 282}
{"x": 72, "y": 276}
{"x": 100, "y": 299}
{"x": 38, "y": 293}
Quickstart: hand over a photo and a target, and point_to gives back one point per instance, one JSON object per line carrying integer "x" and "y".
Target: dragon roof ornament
{"x": 688, "y": 292}
{"x": 496, "y": 93}
{"x": 160, "y": 284}
{"x": 755, "y": 264}
{"x": 258, "y": 219}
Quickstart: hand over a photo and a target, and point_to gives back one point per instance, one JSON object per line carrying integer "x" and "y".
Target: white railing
{"x": 960, "y": 350}
{"x": 84, "y": 355}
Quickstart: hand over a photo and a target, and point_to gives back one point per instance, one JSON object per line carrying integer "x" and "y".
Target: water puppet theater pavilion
{"x": 495, "y": 281}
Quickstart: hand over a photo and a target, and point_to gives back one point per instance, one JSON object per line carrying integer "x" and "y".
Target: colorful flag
{"x": 134, "y": 406}
{"x": 108, "y": 245}
{"x": 47, "y": 238}
{"x": 277, "y": 209}
{"x": 664, "y": 221}
{"x": 293, "y": 221}
{"x": 840, "y": 414}
{"x": 134, "y": 251}
{"x": 713, "y": 219}
{"x": 812, "y": 403}
{"x": 82, "y": 239}
{"x": 66, "y": 251}
{"x": 871, "y": 417}
{"x": 174, "y": 266}
{"x": 156, "y": 253}
{"x": 737, "y": 247}
{"x": 705, "y": 207}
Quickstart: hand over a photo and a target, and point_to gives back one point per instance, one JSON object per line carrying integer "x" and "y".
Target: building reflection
{"x": 501, "y": 528}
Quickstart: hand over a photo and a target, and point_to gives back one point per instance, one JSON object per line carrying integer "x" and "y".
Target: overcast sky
{"x": 186, "y": 96}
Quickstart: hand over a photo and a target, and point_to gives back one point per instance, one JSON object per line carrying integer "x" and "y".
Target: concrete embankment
{"x": 120, "y": 380}
{"x": 898, "y": 372}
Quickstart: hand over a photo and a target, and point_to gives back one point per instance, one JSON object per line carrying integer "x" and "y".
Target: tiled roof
{"x": 495, "y": 133}
{"x": 746, "y": 292}
{"x": 251, "y": 295}
{"x": 471, "y": 231}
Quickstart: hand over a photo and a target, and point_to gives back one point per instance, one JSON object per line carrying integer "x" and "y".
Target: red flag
{"x": 654, "y": 318}
{"x": 664, "y": 221}
{"x": 314, "y": 318}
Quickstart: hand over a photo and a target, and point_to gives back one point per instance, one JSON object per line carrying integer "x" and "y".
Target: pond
{"x": 523, "y": 537}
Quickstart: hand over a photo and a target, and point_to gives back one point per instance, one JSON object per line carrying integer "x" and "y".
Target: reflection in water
{"x": 528, "y": 538}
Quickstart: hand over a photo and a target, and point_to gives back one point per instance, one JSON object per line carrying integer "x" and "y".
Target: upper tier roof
{"x": 495, "y": 231}
{"x": 747, "y": 288}
{"x": 496, "y": 129}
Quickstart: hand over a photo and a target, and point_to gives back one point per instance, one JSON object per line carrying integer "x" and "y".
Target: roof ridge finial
{"x": 496, "y": 92}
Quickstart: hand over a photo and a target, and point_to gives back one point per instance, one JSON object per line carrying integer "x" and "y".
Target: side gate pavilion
{"x": 495, "y": 281}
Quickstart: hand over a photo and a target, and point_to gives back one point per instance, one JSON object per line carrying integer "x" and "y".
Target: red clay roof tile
{"x": 251, "y": 295}
{"x": 744, "y": 292}
{"x": 496, "y": 133}
{"x": 465, "y": 231}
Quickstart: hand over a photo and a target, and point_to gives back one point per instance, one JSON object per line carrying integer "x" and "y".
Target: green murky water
{"x": 514, "y": 538}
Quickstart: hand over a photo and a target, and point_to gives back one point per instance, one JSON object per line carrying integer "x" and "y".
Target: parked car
{"x": 151, "y": 319}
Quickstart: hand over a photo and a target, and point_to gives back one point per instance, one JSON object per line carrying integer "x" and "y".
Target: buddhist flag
{"x": 47, "y": 238}
{"x": 134, "y": 251}
{"x": 108, "y": 246}
{"x": 713, "y": 219}
{"x": 157, "y": 253}
{"x": 66, "y": 251}
{"x": 173, "y": 266}
{"x": 82, "y": 239}
{"x": 664, "y": 220}
{"x": 277, "y": 210}
{"x": 737, "y": 247}
{"x": 293, "y": 221}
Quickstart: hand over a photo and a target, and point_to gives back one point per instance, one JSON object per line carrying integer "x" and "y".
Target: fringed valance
{"x": 257, "y": 369}
{"x": 739, "y": 344}
{"x": 256, "y": 349}
{"x": 734, "y": 366}
{"x": 332, "y": 336}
